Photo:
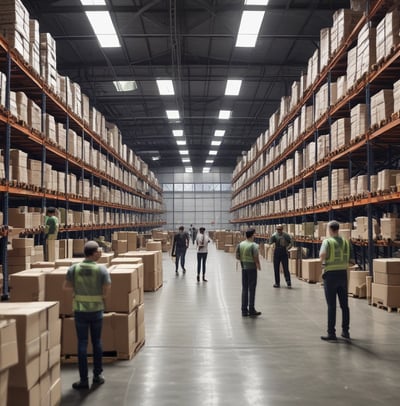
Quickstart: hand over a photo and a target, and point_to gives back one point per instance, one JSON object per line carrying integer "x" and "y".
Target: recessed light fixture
{"x": 185, "y": 160}
{"x": 209, "y": 161}
{"x": 184, "y": 152}
{"x": 173, "y": 114}
{"x": 125, "y": 85}
{"x": 256, "y": 2}
{"x": 93, "y": 2}
{"x": 219, "y": 133}
{"x": 155, "y": 158}
{"x": 104, "y": 29}
{"x": 206, "y": 170}
{"x": 165, "y": 87}
{"x": 216, "y": 143}
{"x": 233, "y": 87}
{"x": 188, "y": 169}
{"x": 249, "y": 28}
{"x": 224, "y": 114}
{"x": 177, "y": 133}
{"x": 183, "y": 142}
{"x": 213, "y": 152}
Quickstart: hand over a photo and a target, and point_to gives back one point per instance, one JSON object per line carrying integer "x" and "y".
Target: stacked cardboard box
{"x": 340, "y": 184}
{"x": 340, "y": 133}
{"x": 18, "y": 166}
{"x": 8, "y": 354}
{"x": 396, "y": 96}
{"x": 351, "y": 72}
{"x": 390, "y": 228}
{"x": 36, "y": 378}
{"x": 20, "y": 257}
{"x": 27, "y": 286}
{"x": 344, "y": 20}
{"x": 34, "y": 116}
{"x": 14, "y": 26}
{"x": 311, "y": 270}
{"x": 325, "y": 47}
{"x": 357, "y": 283}
{"x": 22, "y": 106}
{"x": 152, "y": 267}
{"x": 387, "y": 179}
{"x": 386, "y": 286}
{"x": 341, "y": 86}
{"x": 361, "y": 230}
{"x": 34, "y": 45}
{"x": 382, "y": 106}
{"x": 48, "y": 60}
{"x": 359, "y": 121}
{"x": 366, "y": 50}
{"x": 387, "y": 34}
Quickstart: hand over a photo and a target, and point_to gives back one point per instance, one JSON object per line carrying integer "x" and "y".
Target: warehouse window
{"x": 188, "y": 187}
{"x": 178, "y": 187}
{"x": 168, "y": 187}
{"x": 226, "y": 187}
{"x": 198, "y": 187}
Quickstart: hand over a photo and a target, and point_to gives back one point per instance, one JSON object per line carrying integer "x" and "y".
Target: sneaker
{"x": 176, "y": 272}
{"x": 245, "y": 314}
{"x": 80, "y": 385}
{"x": 205, "y": 280}
{"x": 276, "y": 285}
{"x": 346, "y": 335}
{"x": 184, "y": 270}
{"x": 329, "y": 338}
{"x": 98, "y": 380}
{"x": 254, "y": 313}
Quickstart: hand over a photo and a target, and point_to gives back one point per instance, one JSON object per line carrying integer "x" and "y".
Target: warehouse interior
{"x": 131, "y": 118}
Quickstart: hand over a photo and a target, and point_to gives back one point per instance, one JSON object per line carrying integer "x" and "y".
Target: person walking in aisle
{"x": 247, "y": 254}
{"x": 90, "y": 283}
{"x": 202, "y": 241}
{"x": 335, "y": 254}
{"x": 282, "y": 242}
{"x": 50, "y": 231}
{"x": 179, "y": 247}
{"x": 194, "y": 234}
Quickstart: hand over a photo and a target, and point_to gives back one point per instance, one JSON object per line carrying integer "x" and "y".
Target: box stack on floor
{"x": 35, "y": 379}
{"x": 386, "y": 286}
{"x": 8, "y": 355}
{"x": 162, "y": 236}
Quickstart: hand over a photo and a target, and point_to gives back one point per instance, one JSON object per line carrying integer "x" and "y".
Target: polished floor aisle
{"x": 199, "y": 351}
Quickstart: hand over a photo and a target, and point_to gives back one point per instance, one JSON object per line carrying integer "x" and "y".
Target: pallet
{"x": 139, "y": 346}
{"x": 307, "y": 280}
{"x": 387, "y": 308}
{"x": 108, "y": 357}
{"x": 356, "y": 296}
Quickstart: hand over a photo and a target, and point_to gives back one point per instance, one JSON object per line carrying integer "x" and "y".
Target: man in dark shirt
{"x": 179, "y": 247}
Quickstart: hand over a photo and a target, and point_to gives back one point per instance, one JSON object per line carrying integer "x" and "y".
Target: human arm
{"x": 256, "y": 257}
{"x": 106, "y": 281}
{"x": 290, "y": 242}
{"x": 69, "y": 282}
{"x": 238, "y": 252}
{"x": 323, "y": 251}
{"x": 272, "y": 239}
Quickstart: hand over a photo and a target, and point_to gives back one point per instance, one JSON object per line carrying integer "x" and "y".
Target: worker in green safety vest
{"x": 335, "y": 255}
{"x": 90, "y": 283}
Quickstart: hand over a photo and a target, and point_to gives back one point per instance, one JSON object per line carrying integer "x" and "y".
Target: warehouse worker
{"x": 335, "y": 255}
{"x": 179, "y": 247}
{"x": 90, "y": 283}
{"x": 247, "y": 254}
{"x": 50, "y": 230}
{"x": 202, "y": 241}
{"x": 282, "y": 242}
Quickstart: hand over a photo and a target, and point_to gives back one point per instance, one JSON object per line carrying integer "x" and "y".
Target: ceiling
{"x": 193, "y": 43}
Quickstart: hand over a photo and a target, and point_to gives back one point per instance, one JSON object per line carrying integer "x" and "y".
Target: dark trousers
{"x": 335, "y": 283}
{"x": 281, "y": 256}
{"x": 201, "y": 262}
{"x": 249, "y": 283}
{"x": 85, "y": 321}
{"x": 180, "y": 254}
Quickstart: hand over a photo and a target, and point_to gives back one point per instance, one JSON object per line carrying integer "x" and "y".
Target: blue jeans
{"x": 201, "y": 262}
{"x": 85, "y": 321}
{"x": 249, "y": 283}
{"x": 180, "y": 254}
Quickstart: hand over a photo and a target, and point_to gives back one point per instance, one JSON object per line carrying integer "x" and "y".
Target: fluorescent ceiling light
{"x": 104, "y": 29}
{"x": 155, "y": 158}
{"x": 188, "y": 169}
{"x": 181, "y": 142}
{"x": 184, "y": 152}
{"x": 125, "y": 85}
{"x": 165, "y": 87}
{"x": 216, "y": 143}
{"x": 177, "y": 133}
{"x": 256, "y": 2}
{"x": 249, "y": 28}
{"x": 173, "y": 114}
{"x": 233, "y": 87}
{"x": 219, "y": 133}
{"x": 185, "y": 160}
{"x": 209, "y": 161}
{"x": 206, "y": 170}
{"x": 224, "y": 114}
{"x": 213, "y": 152}
{"x": 93, "y": 2}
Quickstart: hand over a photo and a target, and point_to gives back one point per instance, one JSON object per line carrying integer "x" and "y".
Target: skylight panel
{"x": 233, "y": 87}
{"x": 188, "y": 169}
{"x": 93, "y": 2}
{"x": 165, "y": 87}
{"x": 184, "y": 152}
{"x": 206, "y": 170}
{"x": 104, "y": 29}
{"x": 219, "y": 133}
{"x": 183, "y": 142}
{"x": 224, "y": 114}
{"x": 209, "y": 161}
{"x": 249, "y": 28}
{"x": 216, "y": 143}
{"x": 256, "y": 2}
{"x": 177, "y": 133}
{"x": 125, "y": 85}
{"x": 185, "y": 160}
{"x": 213, "y": 153}
{"x": 172, "y": 114}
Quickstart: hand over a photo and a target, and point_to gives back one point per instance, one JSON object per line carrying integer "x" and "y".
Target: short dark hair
{"x": 202, "y": 229}
{"x": 51, "y": 210}
{"x": 181, "y": 228}
{"x": 334, "y": 225}
{"x": 250, "y": 232}
{"x": 90, "y": 248}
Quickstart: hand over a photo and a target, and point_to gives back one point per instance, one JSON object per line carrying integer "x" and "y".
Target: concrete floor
{"x": 199, "y": 351}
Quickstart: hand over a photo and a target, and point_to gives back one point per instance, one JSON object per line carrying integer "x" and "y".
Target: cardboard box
{"x": 356, "y": 281}
{"x": 153, "y": 246}
{"x": 311, "y": 270}
{"x": 387, "y": 265}
{"x": 3, "y": 387}
{"x": 55, "y": 393}
{"x": 387, "y": 278}
{"x": 388, "y": 296}
{"x": 8, "y": 344}
{"x": 54, "y": 290}
{"x": 78, "y": 247}
{"x": 27, "y": 286}
{"x": 125, "y": 332}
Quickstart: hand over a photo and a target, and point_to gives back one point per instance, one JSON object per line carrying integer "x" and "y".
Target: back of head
{"x": 90, "y": 248}
{"x": 250, "y": 233}
{"x": 181, "y": 228}
{"x": 333, "y": 225}
{"x": 51, "y": 210}
{"x": 202, "y": 229}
